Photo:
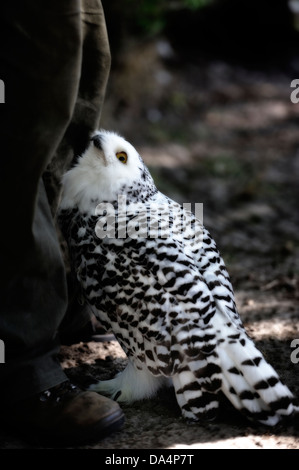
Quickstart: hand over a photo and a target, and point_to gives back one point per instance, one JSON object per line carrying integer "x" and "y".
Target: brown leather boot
{"x": 65, "y": 415}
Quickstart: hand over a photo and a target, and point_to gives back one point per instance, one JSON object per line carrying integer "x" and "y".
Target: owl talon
{"x": 130, "y": 385}
{"x": 107, "y": 388}
{"x": 117, "y": 395}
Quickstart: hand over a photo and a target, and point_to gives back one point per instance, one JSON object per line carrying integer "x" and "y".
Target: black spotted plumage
{"x": 167, "y": 298}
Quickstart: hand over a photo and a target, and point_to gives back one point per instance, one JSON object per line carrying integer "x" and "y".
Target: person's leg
{"x": 89, "y": 103}
{"x": 41, "y": 50}
{"x": 40, "y": 66}
{"x": 32, "y": 305}
{"x": 79, "y": 322}
{"x": 55, "y": 63}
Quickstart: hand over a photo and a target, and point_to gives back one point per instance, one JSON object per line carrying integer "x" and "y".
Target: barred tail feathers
{"x": 196, "y": 390}
{"x": 250, "y": 383}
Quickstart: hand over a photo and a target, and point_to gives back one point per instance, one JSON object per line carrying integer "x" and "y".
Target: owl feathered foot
{"x": 131, "y": 385}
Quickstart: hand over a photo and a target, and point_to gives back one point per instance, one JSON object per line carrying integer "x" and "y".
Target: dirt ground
{"x": 228, "y": 138}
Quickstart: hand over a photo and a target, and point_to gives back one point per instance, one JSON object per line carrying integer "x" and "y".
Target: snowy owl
{"x": 153, "y": 275}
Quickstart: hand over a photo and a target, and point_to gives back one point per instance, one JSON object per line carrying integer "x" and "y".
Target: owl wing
{"x": 202, "y": 249}
{"x": 212, "y": 267}
{"x": 149, "y": 291}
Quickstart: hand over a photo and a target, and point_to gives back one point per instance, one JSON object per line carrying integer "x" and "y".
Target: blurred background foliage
{"x": 202, "y": 89}
{"x": 149, "y": 16}
{"x": 252, "y": 32}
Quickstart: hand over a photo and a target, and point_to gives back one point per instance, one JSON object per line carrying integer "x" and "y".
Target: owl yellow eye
{"x": 122, "y": 156}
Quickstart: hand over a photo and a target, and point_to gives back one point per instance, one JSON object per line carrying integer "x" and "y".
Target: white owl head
{"x": 109, "y": 163}
{"x": 113, "y": 156}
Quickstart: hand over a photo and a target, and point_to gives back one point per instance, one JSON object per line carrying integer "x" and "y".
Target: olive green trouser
{"x": 54, "y": 62}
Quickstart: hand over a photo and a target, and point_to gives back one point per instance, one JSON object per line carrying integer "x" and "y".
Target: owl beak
{"x": 97, "y": 142}
{"x": 96, "y": 139}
